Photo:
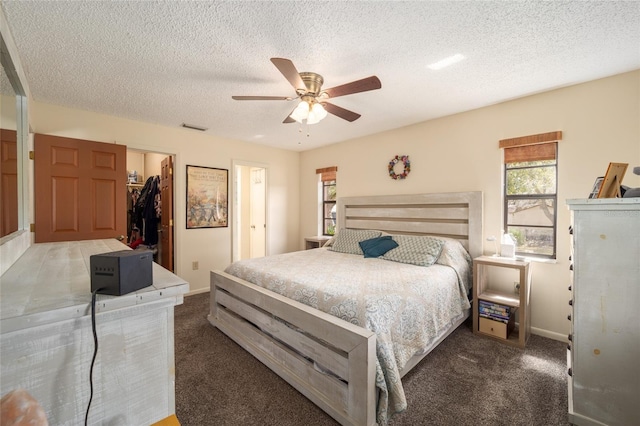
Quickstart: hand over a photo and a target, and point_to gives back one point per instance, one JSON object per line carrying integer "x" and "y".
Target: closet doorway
{"x": 249, "y": 210}
{"x": 150, "y": 204}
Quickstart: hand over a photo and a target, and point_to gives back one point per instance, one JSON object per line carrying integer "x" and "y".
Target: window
{"x": 530, "y": 193}
{"x": 329, "y": 197}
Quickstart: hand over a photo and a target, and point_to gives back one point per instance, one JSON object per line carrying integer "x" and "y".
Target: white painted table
{"x": 46, "y": 341}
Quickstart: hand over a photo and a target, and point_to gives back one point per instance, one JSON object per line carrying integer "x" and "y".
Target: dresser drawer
{"x": 496, "y": 328}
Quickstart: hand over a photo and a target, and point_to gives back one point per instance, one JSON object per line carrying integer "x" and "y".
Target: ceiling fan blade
{"x": 364, "y": 85}
{"x": 289, "y": 119}
{"x": 286, "y": 67}
{"x": 262, "y": 98}
{"x": 345, "y": 114}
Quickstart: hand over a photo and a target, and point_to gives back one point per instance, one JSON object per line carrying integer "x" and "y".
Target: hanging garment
{"x": 146, "y": 216}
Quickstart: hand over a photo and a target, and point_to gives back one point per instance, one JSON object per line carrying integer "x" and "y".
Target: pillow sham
{"x": 415, "y": 250}
{"x": 376, "y": 247}
{"x": 346, "y": 240}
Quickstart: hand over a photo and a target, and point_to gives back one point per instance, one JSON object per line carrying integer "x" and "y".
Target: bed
{"x": 345, "y": 359}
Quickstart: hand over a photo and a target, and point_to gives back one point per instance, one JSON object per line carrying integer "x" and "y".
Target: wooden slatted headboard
{"x": 453, "y": 214}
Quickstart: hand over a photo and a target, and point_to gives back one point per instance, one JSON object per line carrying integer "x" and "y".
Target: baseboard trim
{"x": 198, "y": 291}
{"x": 549, "y": 334}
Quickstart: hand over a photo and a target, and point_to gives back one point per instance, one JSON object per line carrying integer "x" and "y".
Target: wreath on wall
{"x": 392, "y": 164}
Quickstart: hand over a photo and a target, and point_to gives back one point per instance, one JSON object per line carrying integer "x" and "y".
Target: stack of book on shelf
{"x": 500, "y": 313}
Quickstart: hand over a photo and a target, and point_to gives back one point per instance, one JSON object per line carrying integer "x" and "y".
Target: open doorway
{"x": 249, "y": 210}
{"x": 150, "y": 204}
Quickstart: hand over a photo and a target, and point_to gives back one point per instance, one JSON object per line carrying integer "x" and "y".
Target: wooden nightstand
{"x": 315, "y": 242}
{"x": 494, "y": 311}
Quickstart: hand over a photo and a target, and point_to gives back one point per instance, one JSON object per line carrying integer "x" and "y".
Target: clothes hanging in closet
{"x": 132, "y": 230}
{"x": 146, "y": 212}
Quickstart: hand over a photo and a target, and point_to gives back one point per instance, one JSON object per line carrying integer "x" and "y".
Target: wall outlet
{"x": 194, "y": 265}
{"x": 516, "y": 287}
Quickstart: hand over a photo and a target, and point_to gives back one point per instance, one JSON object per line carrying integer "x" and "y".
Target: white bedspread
{"x": 406, "y": 306}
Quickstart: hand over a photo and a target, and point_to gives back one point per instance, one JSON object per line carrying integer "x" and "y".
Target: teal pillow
{"x": 376, "y": 247}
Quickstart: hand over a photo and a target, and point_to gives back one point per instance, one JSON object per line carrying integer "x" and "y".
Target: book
{"x": 495, "y": 311}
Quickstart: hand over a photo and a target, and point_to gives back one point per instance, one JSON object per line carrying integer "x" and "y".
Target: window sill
{"x": 537, "y": 259}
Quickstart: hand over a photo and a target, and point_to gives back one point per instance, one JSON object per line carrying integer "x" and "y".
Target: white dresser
{"x": 46, "y": 339}
{"x": 604, "y": 347}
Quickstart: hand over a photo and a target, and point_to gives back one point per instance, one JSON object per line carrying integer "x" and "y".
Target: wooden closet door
{"x": 166, "y": 219}
{"x": 8, "y": 182}
{"x": 80, "y": 189}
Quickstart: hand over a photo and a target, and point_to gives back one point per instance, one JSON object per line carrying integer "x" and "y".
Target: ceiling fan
{"x": 313, "y": 105}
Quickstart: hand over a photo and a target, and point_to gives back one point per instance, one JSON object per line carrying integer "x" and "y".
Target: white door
{"x": 257, "y": 219}
{"x": 250, "y": 200}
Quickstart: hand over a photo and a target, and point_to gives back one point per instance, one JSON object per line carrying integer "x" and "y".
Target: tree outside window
{"x": 329, "y": 197}
{"x": 530, "y": 199}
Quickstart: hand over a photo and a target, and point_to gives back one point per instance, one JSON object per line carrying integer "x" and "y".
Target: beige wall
{"x": 7, "y": 112}
{"x": 600, "y": 121}
{"x": 211, "y": 247}
{"x": 135, "y": 161}
{"x": 152, "y": 164}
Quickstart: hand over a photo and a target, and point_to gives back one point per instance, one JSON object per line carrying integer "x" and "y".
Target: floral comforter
{"x": 406, "y": 306}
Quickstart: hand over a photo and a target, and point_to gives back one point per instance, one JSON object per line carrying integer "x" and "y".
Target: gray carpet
{"x": 466, "y": 380}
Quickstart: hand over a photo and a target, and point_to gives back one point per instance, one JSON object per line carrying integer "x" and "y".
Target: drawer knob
{"x": 570, "y": 372}
{"x": 570, "y": 302}
{"x": 571, "y": 230}
{"x": 569, "y": 317}
{"x": 571, "y": 267}
{"x": 569, "y": 288}
{"x": 568, "y": 347}
{"x": 570, "y": 337}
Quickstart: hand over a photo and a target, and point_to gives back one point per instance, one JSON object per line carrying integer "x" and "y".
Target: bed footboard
{"x": 300, "y": 344}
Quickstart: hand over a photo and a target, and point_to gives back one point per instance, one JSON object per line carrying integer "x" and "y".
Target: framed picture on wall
{"x": 207, "y": 197}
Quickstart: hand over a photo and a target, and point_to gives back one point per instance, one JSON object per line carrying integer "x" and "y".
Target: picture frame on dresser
{"x": 596, "y": 187}
{"x": 610, "y": 186}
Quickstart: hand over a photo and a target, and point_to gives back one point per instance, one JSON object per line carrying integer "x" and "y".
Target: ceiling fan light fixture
{"x": 312, "y": 112}
{"x": 301, "y": 112}
{"x": 312, "y": 118}
{"x": 319, "y": 111}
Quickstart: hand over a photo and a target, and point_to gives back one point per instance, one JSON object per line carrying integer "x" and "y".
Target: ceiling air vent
{"x": 193, "y": 127}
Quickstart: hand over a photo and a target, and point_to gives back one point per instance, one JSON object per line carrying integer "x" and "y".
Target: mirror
{"x": 12, "y": 119}
{"x": 8, "y": 158}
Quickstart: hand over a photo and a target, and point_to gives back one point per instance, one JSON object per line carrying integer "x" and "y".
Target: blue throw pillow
{"x": 376, "y": 247}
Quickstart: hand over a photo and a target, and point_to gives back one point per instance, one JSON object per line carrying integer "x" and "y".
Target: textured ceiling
{"x": 180, "y": 62}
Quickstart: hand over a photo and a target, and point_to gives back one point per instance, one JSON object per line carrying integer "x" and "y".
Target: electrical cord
{"x": 95, "y": 351}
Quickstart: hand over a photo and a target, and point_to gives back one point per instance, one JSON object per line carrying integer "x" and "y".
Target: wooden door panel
{"x": 8, "y": 182}
{"x": 65, "y": 204}
{"x": 104, "y": 214}
{"x": 63, "y": 156}
{"x": 80, "y": 189}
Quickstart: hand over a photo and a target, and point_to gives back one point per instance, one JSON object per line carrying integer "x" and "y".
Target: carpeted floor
{"x": 466, "y": 380}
